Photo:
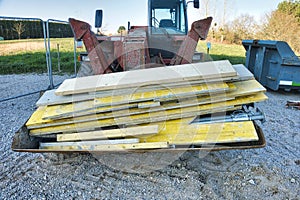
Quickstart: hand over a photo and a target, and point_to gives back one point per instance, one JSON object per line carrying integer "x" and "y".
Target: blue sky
{"x": 119, "y": 12}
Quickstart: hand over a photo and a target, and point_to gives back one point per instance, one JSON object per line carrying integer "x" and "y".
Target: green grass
{"x": 23, "y": 63}
{"x": 236, "y": 54}
{"x": 35, "y": 63}
{"x": 28, "y": 56}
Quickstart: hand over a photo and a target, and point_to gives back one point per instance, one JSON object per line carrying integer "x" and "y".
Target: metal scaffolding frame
{"x": 47, "y": 42}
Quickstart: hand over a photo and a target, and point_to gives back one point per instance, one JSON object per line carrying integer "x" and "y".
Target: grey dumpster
{"x": 273, "y": 63}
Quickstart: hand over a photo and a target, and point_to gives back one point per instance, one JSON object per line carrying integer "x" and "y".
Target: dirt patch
{"x": 14, "y": 48}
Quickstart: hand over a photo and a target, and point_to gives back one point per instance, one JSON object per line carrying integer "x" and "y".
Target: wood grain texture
{"x": 97, "y": 142}
{"x": 50, "y": 98}
{"x": 37, "y": 122}
{"x": 105, "y": 103}
{"x": 243, "y": 73}
{"x": 175, "y": 132}
{"x": 180, "y": 73}
{"x": 243, "y": 88}
{"x": 110, "y": 147}
{"x": 151, "y": 117}
{"x": 178, "y": 133}
{"x": 113, "y": 133}
{"x": 233, "y": 90}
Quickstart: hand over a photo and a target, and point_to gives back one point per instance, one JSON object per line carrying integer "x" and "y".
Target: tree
{"x": 121, "y": 29}
{"x": 19, "y": 27}
{"x": 243, "y": 27}
{"x": 206, "y": 6}
{"x": 291, "y": 7}
{"x": 282, "y": 26}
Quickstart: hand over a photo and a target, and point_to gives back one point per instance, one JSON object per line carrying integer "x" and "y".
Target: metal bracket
{"x": 245, "y": 114}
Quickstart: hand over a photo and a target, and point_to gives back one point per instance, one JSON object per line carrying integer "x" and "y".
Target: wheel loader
{"x": 162, "y": 42}
{"x": 166, "y": 43}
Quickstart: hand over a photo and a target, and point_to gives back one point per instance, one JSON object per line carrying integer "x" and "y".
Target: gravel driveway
{"x": 269, "y": 173}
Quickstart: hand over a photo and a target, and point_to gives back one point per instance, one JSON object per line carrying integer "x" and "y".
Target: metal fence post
{"x": 58, "y": 58}
{"x": 75, "y": 58}
{"x": 51, "y": 86}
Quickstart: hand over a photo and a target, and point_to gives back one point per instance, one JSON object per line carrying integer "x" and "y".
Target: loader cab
{"x": 167, "y": 27}
{"x": 168, "y": 16}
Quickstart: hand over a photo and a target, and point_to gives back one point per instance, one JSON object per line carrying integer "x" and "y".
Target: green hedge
{"x": 33, "y": 29}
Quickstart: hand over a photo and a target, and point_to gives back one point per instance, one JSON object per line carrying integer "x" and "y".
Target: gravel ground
{"x": 269, "y": 173}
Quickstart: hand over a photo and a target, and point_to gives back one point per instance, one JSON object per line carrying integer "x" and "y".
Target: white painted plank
{"x": 179, "y": 73}
{"x": 50, "y": 98}
{"x": 243, "y": 73}
{"x": 98, "y": 142}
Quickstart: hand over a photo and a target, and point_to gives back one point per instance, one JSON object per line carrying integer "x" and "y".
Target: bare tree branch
{"x": 19, "y": 27}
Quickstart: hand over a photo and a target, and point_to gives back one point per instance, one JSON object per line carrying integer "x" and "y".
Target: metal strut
{"x": 82, "y": 31}
{"x": 236, "y": 116}
{"x": 199, "y": 31}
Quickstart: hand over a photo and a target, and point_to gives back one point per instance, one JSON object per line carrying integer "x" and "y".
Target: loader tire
{"x": 85, "y": 70}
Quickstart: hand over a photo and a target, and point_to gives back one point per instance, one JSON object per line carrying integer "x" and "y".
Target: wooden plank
{"x": 36, "y": 120}
{"x": 113, "y": 133}
{"x": 243, "y": 73}
{"x": 75, "y": 110}
{"x": 91, "y": 125}
{"x": 49, "y": 97}
{"x": 89, "y": 143}
{"x": 67, "y": 110}
{"x": 177, "y": 132}
{"x": 241, "y": 88}
{"x": 148, "y": 105}
{"x": 245, "y": 88}
{"x": 164, "y": 93}
{"x": 180, "y": 73}
{"x": 113, "y": 147}
{"x": 161, "y": 86}
{"x": 151, "y": 117}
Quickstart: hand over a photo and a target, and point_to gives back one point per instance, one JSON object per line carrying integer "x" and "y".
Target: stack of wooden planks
{"x": 146, "y": 109}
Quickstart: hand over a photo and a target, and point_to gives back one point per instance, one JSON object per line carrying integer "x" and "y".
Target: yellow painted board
{"x": 37, "y": 122}
{"x": 170, "y": 74}
{"x": 84, "y": 108}
{"x": 163, "y": 93}
{"x": 150, "y": 117}
{"x": 102, "y": 112}
{"x": 56, "y": 111}
{"x": 49, "y": 97}
{"x": 116, "y": 147}
{"x": 124, "y": 121}
{"x": 113, "y": 133}
{"x": 177, "y": 132}
{"x": 245, "y": 88}
{"x": 36, "y": 117}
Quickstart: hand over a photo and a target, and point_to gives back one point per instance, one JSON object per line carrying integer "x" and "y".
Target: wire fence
{"x": 31, "y": 45}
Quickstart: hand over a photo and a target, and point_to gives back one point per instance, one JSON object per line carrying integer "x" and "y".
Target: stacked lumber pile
{"x": 146, "y": 109}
